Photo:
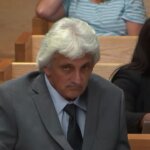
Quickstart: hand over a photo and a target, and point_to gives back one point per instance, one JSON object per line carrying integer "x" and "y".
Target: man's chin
{"x": 72, "y": 97}
{"x": 72, "y": 94}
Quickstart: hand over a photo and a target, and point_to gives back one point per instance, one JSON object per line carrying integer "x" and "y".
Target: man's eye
{"x": 87, "y": 67}
{"x": 66, "y": 68}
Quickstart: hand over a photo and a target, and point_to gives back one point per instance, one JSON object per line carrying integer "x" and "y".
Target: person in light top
{"x": 107, "y": 17}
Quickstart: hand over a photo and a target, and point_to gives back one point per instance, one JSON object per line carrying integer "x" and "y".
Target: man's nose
{"x": 77, "y": 77}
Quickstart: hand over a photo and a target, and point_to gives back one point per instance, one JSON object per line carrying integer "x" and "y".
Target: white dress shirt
{"x": 60, "y": 103}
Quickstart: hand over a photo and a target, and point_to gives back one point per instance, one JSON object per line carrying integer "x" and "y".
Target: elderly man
{"x": 63, "y": 106}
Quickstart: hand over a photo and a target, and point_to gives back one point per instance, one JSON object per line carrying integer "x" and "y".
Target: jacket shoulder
{"x": 19, "y": 83}
{"x": 101, "y": 84}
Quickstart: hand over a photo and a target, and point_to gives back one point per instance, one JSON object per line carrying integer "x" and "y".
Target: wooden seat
{"x": 17, "y": 69}
{"x": 139, "y": 141}
{"x": 113, "y": 49}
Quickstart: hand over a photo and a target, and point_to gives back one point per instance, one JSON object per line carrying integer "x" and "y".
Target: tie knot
{"x": 70, "y": 109}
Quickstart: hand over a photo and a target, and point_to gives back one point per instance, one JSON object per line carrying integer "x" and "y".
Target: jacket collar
{"x": 48, "y": 115}
{"x": 47, "y": 111}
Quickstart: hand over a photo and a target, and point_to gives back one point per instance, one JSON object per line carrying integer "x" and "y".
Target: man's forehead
{"x": 58, "y": 56}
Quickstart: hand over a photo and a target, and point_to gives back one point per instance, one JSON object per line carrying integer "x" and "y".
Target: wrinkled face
{"x": 69, "y": 76}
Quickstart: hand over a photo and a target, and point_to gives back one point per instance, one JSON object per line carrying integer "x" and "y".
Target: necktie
{"x": 74, "y": 136}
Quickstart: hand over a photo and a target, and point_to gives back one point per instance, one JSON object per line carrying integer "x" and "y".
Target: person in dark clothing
{"x": 134, "y": 79}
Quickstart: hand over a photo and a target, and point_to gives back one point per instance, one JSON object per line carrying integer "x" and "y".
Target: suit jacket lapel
{"x": 47, "y": 112}
{"x": 91, "y": 124}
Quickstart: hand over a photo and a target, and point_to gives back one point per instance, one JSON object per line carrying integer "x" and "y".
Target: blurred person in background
{"x": 107, "y": 17}
{"x": 134, "y": 79}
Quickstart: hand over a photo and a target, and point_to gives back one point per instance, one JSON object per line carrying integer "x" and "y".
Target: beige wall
{"x": 15, "y": 17}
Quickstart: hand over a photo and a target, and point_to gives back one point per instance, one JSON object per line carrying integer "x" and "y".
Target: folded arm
{"x": 50, "y": 9}
{"x": 130, "y": 82}
{"x": 133, "y": 28}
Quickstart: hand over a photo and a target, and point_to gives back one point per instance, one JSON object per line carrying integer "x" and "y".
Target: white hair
{"x": 70, "y": 37}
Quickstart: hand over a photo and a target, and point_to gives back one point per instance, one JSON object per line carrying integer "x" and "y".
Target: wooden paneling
{"x": 117, "y": 48}
{"x": 113, "y": 49}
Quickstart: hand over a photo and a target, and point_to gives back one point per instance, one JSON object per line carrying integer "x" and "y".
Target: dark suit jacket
{"x": 28, "y": 120}
{"x": 136, "y": 87}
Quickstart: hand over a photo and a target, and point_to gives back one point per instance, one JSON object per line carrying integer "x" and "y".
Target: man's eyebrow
{"x": 66, "y": 64}
{"x": 87, "y": 63}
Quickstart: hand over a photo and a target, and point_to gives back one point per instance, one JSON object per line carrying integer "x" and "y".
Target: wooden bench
{"x": 139, "y": 141}
{"x": 17, "y": 69}
{"x": 5, "y": 69}
{"x": 147, "y": 7}
{"x": 40, "y": 26}
{"x": 117, "y": 49}
{"x": 112, "y": 48}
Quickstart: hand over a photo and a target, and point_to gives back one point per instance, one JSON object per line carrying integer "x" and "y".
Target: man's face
{"x": 69, "y": 76}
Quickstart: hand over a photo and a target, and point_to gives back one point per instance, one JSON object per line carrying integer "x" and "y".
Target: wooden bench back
{"x": 103, "y": 69}
{"x": 139, "y": 141}
{"x": 117, "y": 49}
{"x": 113, "y": 49}
{"x": 147, "y": 7}
{"x": 17, "y": 69}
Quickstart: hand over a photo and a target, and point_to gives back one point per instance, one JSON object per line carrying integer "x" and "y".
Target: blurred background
{"x": 15, "y": 17}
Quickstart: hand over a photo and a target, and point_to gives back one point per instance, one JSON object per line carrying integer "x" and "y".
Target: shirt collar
{"x": 59, "y": 101}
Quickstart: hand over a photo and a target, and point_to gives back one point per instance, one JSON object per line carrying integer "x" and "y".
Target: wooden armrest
{"x": 21, "y": 68}
{"x": 39, "y": 26}
{"x": 5, "y": 69}
{"x": 23, "y": 48}
{"x": 139, "y": 141}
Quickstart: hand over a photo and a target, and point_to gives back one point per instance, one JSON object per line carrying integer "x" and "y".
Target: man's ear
{"x": 47, "y": 71}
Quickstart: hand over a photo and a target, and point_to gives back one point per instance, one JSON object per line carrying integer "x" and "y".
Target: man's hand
{"x": 145, "y": 119}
